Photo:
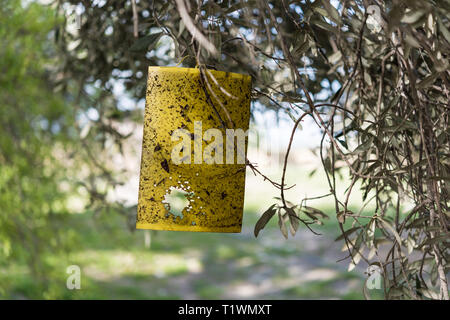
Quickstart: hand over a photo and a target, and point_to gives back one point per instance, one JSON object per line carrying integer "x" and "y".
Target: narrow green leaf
{"x": 265, "y": 218}
{"x": 282, "y": 225}
{"x": 347, "y": 233}
{"x": 294, "y": 220}
{"x": 146, "y": 43}
{"x": 314, "y": 212}
{"x": 366, "y": 145}
{"x": 392, "y": 229}
{"x": 435, "y": 240}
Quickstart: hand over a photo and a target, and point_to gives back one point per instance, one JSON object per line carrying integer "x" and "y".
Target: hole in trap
{"x": 176, "y": 200}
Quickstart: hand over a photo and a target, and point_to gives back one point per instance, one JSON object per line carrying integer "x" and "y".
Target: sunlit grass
{"x": 115, "y": 263}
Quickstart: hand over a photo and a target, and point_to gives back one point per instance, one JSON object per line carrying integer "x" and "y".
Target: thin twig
{"x": 135, "y": 18}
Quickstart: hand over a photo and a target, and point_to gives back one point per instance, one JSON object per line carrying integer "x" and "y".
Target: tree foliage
{"x": 35, "y": 129}
{"x": 374, "y": 76}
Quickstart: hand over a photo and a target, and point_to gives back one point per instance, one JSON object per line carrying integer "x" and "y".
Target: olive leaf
{"x": 282, "y": 225}
{"x": 293, "y": 219}
{"x": 390, "y": 228}
{"x": 264, "y": 219}
{"x": 347, "y": 233}
{"x": 146, "y": 43}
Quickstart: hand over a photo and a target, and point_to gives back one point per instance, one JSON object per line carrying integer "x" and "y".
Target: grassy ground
{"x": 116, "y": 264}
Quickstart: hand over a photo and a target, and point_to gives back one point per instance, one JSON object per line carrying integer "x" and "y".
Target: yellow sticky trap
{"x": 193, "y": 166}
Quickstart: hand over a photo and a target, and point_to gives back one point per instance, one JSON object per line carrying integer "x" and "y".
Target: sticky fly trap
{"x": 194, "y": 150}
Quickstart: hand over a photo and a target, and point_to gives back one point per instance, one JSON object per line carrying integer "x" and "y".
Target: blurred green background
{"x": 117, "y": 263}
{"x": 52, "y": 214}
